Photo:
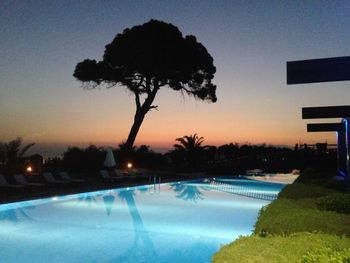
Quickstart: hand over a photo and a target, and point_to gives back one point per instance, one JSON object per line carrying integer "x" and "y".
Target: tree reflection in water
{"x": 142, "y": 247}
{"x": 187, "y": 191}
{"x": 108, "y": 201}
{"x": 15, "y": 215}
{"x": 88, "y": 199}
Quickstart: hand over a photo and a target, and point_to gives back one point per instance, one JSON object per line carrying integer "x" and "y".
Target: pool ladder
{"x": 156, "y": 181}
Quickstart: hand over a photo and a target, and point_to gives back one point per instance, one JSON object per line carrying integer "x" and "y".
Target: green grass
{"x": 278, "y": 249}
{"x": 296, "y": 228}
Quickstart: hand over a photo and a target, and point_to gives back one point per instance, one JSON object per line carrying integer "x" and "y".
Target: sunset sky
{"x": 250, "y": 41}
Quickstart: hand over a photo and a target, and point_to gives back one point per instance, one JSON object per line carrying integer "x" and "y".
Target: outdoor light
{"x": 29, "y": 169}
{"x": 129, "y": 165}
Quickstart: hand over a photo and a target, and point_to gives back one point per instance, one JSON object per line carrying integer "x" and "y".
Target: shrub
{"x": 83, "y": 160}
{"x": 335, "y": 202}
{"x": 293, "y": 228}
{"x": 316, "y": 175}
{"x": 297, "y": 191}
{"x": 287, "y": 216}
{"x": 289, "y": 249}
{"x": 327, "y": 254}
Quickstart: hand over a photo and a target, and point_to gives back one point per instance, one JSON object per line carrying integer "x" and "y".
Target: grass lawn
{"x": 307, "y": 223}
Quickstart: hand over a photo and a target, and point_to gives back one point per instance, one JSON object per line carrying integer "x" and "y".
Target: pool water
{"x": 176, "y": 222}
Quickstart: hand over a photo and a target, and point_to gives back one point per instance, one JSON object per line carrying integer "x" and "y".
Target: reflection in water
{"x": 155, "y": 189}
{"x": 15, "y": 215}
{"x": 143, "y": 189}
{"x": 143, "y": 247}
{"x": 89, "y": 199}
{"x": 108, "y": 201}
{"x": 256, "y": 190}
{"x": 187, "y": 192}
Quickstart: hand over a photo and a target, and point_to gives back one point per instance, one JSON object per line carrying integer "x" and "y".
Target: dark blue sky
{"x": 250, "y": 41}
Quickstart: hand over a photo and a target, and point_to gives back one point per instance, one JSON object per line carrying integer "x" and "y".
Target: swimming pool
{"x": 176, "y": 222}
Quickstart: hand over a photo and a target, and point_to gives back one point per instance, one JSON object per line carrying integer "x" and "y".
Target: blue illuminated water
{"x": 178, "y": 222}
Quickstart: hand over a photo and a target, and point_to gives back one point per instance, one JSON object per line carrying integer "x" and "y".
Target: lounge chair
{"x": 20, "y": 179}
{"x": 118, "y": 173}
{"x": 143, "y": 173}
{"x": 48, "y": 177}
{"x": 65, "y": 176}
{"x": 105, "y": 175}
{"x": 138, "y": 173}
{"x": 125, "y": 173}
{"x": 4, "y": 183}
{"x": 130, "y": 172}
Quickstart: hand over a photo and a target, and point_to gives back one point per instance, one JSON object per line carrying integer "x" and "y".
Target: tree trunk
{"x": 140, "y": 115}
{"x": 138, "y": 119}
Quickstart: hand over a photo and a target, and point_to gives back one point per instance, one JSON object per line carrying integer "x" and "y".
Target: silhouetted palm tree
{"x": 11, "y": 153}
{"x": 189, "y": 143}
{"x": 191, "y": 148}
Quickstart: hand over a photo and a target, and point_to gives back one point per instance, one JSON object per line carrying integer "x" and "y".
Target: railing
{"x": 156, "y": 181}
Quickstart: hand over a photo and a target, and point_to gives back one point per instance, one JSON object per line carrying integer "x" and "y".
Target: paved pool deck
{"x": 276, "y": 178}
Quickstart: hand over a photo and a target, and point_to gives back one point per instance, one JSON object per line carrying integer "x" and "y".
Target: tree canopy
{"x": 148, "y": 57}
{"x": 189, "y": 143}
{"x": 11, "y": 153}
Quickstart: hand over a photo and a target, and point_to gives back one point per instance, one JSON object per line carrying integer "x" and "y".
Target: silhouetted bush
{"x": 317, "y": 175}
{"x": 145, "y": 158}
{"x": 54, "y": 164}
{"x": 83, "y": 160}
{"x": 233, "y": 158}
{"x": 191, "y": 156}
{"x": 141, "y": 157}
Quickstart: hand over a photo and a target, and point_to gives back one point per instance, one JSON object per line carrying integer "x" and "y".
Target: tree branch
{"x": 137, "y": 100}
{"x": 110, "y": 85}
{"x": 90, "y": 85}
{"x": 148, "y": 86}
{"x": 153, "y": 107}
{"x": 161, "y": 85}
{"x": 187, "y": 90}
{"x": 140, "y": 83}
